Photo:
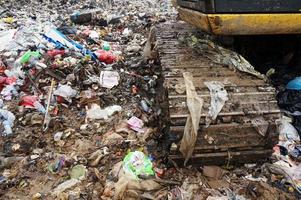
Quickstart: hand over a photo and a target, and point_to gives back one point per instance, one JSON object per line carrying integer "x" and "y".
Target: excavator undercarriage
{"x": 245, "y": 128}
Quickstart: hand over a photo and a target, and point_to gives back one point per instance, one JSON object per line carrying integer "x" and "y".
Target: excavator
{"x": 243, "y": 17}
{"x": 245, "y": 128}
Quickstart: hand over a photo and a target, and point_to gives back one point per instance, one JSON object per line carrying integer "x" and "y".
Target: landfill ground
{"x": 83, "y": 109}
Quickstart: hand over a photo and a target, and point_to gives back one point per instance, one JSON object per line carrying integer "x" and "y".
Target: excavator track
{"x": 233, "y": 137}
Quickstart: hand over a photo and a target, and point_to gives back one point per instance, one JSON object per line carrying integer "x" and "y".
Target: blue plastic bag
{"x": 294, "y": 84}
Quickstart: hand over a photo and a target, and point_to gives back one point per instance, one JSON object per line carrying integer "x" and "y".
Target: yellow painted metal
{"x": 243, "y": 24}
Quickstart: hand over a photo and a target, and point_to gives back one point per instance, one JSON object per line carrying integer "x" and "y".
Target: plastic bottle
{"x": 144, "y": 105}
{"x": 106, "y": 46}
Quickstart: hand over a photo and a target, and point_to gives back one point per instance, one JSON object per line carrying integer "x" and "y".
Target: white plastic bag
{"x": 66, "y": 92}
{"x": 287, "y": 131}
{"x": 219, "y": 96}
{"x": 7, "y": 119}
{"x": 97, "y": 113}
{"x": 109, "y": 79}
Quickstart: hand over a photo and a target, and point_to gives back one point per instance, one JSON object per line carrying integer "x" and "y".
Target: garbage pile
{"x": 78, "y": 114}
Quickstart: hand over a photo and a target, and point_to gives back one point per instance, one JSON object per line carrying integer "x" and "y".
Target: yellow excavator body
{"x": 243, "y": 17}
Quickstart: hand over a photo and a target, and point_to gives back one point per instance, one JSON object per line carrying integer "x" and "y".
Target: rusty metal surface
{"x": 249, "y": 98}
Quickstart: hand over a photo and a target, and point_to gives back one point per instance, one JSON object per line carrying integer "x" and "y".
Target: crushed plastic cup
{"x": 78, "y": 172}
{"x": 138, "y": 164}
{"x": 94, "y": 35}
{"x": 127, "y": 32}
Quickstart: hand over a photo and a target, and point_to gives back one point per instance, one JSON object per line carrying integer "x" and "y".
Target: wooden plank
{"x": 224, "y": 136}
{"x": 239, "y": 96}
{"x": 181, "y": 120}
{"x": 179, "y": 108}
{"x": 233, "y": 113}
{"x": 199, "y": 71}
{"x": 228, "y": 81}
{"x": 231, "y": 90}
{"x": 221, "y": 158}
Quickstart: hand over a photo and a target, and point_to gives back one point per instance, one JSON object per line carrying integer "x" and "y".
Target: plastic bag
{"x": 105, "y": 56}
{"x": 65, "y": 185}
{"x": 219, "y": 96}
{"x": 66, "y": 92}
{"x": 290, "y": 100}
{"x": 294, "y": 84}
{"x": 195, "y": 104}
{"x": 25, "y": 58}
{"x": 287, "y": 131}
{"x": 136, "y": 124}
{"x": 6, "y": 37}
{"x": 8, "y": 92}
{"x": 109, "y": 79}
{"x": 7, "y": 81}
{"x": 7, "y": 119}
{"x": 61, "y": 41}
{"x": 137, "y": 163}
{"x": 32, "y": 102}
{"x": 97, "y": 113}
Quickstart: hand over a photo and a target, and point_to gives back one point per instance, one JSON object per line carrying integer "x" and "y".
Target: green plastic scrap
{"x": 78, "y": 172}
{"x": 137, "y": 163}
{"x": 25, "y": 58}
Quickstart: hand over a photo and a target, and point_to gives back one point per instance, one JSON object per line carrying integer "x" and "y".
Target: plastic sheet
{"x": 97, "y": 113}
{"x": 219, "y": 96}
{"x": 195, "y": 104}
{"x": 7, "y": 119}
{"x": 137, "y": 164}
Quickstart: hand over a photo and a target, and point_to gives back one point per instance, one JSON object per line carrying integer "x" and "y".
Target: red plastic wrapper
{"x": 55, "y": 52}
{"x": 6, "y": 81}
{"x": 32, "y": 102}
{"x": 2, "y": 69}
{"x": 60, "y": 99}
{"x": 28, "y": 101}
{"x": 106, "y": 56}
